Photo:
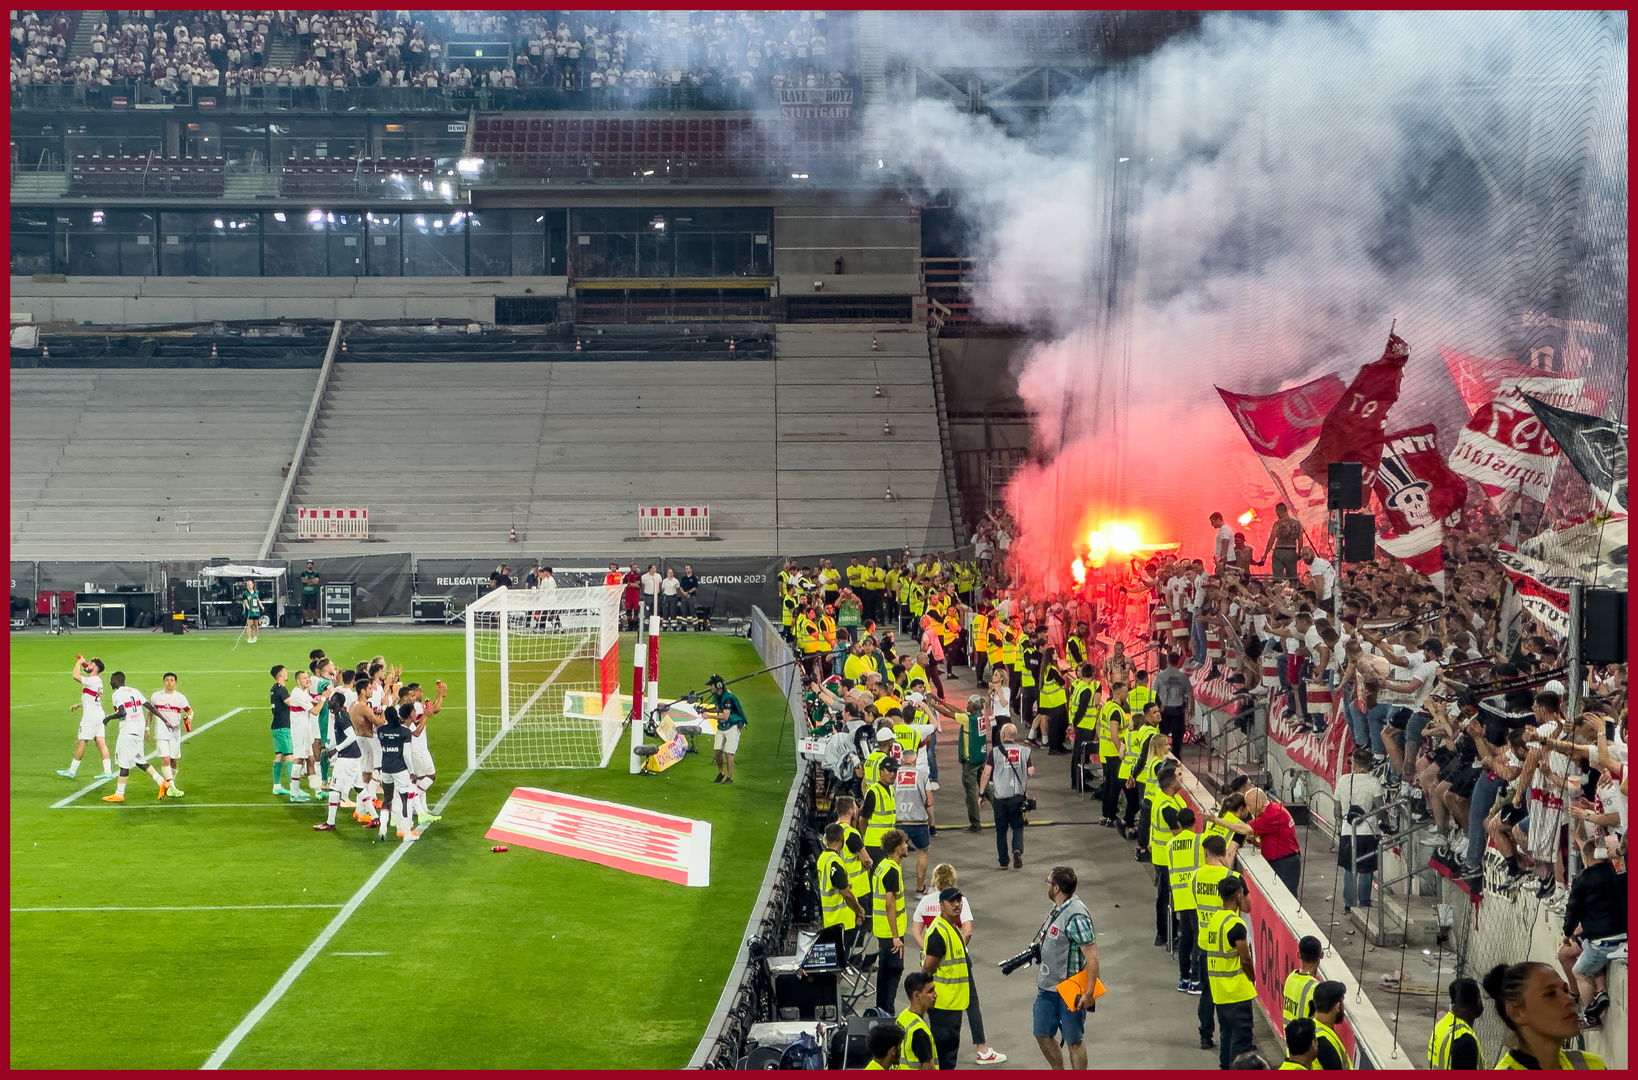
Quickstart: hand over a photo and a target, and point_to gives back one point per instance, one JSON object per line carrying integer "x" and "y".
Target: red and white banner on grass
{"x": 626, "y": 838}
{"x": 1505, "y": 447}
{"x": 1282, "y": 428}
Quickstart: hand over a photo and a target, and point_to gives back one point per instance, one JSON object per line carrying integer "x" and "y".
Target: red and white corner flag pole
{"x": 638, "y": 655}
{"x": 653, "y": 669}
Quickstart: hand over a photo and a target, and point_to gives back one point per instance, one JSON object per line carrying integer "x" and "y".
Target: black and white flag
{"x": 1595, "y": 446}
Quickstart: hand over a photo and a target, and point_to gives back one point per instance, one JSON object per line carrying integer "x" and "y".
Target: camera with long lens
{"x": 1031, "y": 955}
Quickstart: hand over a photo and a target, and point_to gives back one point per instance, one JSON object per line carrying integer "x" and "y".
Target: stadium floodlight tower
{"x": 543, "y": 678}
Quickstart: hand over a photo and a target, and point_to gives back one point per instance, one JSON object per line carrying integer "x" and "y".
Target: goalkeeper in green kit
{"x": 730, "y": 717}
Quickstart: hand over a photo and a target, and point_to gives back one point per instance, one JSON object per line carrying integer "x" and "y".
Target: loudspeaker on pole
{"x": 1344, "y": 485}
{"x": 1358, "y": 537}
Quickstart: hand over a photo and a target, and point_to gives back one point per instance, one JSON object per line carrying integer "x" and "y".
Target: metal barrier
{"x": 674, "y": 520}
{"x": 348, "y": 523}
{"x": 747, "y": 997}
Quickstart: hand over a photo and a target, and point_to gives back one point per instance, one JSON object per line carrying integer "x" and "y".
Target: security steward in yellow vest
{"x": 1164, "y": 807}
{"x": 1226, "y": 940}
{"x": 879, "y": 811}
{"x": 1216, "y": 857}
{"x": 839, "y": 908}
{"x": 1183, "y": 859}
{"x": 1454, "y": 1044}
{"x": 946, "y": 962}
{"x": 1300, "y": 1045}
{"x": 1132, "y": 760}
{"x": 1083, "y": 727}
{"x": 875, "y": 588}
{"x": 1053, "y": 698}
{"x": 1327, "y": 1015}
{"x": 855, "y": 859}
{"x": 1140, "y": 694}
{"x": 978, "y": 648}
{"x": 1029, "y": 665}
{"x": 1298, "y": 994}
{"x": 1113, "y": 723}
{"x": 889, "y": 918}
{"x": 918, "y": 1051}
{"x": 787, "y": 616}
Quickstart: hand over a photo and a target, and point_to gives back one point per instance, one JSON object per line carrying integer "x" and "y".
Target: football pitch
{"x": 220, "y": 925}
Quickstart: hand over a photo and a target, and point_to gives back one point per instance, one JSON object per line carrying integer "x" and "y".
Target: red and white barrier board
{"x": 332, "y": 523}
{"x": 625, "y": 838}
{"x": 692, "y": 520}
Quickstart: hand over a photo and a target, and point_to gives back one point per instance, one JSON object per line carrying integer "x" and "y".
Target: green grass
{"x": 516, "y": 960}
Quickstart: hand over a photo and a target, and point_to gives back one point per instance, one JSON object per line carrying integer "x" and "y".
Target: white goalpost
{"x": 543, "y": 678}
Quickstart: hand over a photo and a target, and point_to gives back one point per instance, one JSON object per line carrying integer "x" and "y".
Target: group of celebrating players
{"x": 357, "y": 735}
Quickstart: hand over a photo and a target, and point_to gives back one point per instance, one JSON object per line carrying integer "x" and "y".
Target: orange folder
{"x": 1073, "y": 989}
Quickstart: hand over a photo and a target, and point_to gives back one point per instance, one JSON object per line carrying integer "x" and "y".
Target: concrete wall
{"x": 878, "y": 240}
{"x": 128, "y": 300}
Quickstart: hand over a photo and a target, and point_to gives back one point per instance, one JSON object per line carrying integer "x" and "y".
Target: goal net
{"x": 543, "y": 676}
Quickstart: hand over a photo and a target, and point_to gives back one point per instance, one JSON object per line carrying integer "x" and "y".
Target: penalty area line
{"x": 62, "y": 803}
{"x": 207, "y": 907}
{"x": 288, "y": 979}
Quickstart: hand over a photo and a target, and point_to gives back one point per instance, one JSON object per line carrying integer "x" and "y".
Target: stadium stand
{"x": 128, "y": 177}
{"x": 139, "y": 463}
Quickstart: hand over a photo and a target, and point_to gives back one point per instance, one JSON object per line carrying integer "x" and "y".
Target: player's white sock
{"x": 107, "y": 765}
{"x": 316, "y": 781}
{"x": 165, "y": 771}
{"x": 74, "y": 768}
{"x": 298, "y": 769}
{"x": 119, "y": 786}
{"x": 335, "y": 801}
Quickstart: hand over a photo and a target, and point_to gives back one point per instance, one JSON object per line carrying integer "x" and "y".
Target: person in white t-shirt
{"x": 131, "y": 712}
{"x": 1222, "y": 544}
{"x": 1321, "y": 573}
{"x": 1357, "y": 794}
{"x": 944, "y": 877}
{"x": 306, "y": 744}
{"x": 172, "y": 717}
{"x": 88, "y": 673}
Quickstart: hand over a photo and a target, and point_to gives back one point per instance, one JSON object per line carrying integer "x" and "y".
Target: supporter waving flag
{"x": 1282, "y": 428}
{"x": 1419, "y": 495}
{"x": 1354, "y": 427}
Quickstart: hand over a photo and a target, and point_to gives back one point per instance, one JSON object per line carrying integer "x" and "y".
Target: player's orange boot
{"x": 116, "y": 797}
{"x": 164, "y": 786}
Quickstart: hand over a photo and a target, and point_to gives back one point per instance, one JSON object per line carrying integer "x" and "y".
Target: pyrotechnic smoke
{"x": 1250, "y": 207}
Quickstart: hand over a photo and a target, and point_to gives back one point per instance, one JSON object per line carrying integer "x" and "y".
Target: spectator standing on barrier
{"x": 1595, "y": 925}
{"x": 1454, "y": 1044}
{"x": 309, "y": 595}
{"x": 889, "y": 917}
{"x": 946, "y": 961}
{"x": 1327, "y": 1015}
{"x": 1300, "y": 1045}
{"x": 1226, "y": 941}
{"x": 1069, "y": 946}
{"x": 1284, "y": 537}
{"x": 918, "y": 1049}
{"x": 1176, "y": 696}
{"x": 1009, "y": 766}
{"x": 927, "y": 910}
{"x": 1540, "y": 1015}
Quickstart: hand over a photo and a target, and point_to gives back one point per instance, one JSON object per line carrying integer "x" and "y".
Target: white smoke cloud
{"x": 1298, "y": 182}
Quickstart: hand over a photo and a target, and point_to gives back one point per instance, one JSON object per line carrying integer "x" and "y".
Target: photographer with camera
{"x": 1008, "y": 765}
{"x": 1065, "y": 947}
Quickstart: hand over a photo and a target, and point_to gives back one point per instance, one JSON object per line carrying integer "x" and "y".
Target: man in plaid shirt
{"x": 1068, "y": 947}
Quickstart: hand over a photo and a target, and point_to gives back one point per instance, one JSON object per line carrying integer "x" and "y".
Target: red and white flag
{"x": 1282, "y": 428}
{"x": 1419, "y": 496}
{"x": 1354, "y": 427}
{"x": 1505, "y": 446}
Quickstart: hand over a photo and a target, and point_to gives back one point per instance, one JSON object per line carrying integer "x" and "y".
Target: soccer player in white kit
{"x": 303, "y": 737}
{"x": 421, "y": 768}
{"x": 130, "y": 711}
{"x": 172, "y": 715}
{"x": 88, "y": 673}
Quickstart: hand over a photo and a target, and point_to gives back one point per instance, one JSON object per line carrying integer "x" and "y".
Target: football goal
{"x": 542, "y": 678}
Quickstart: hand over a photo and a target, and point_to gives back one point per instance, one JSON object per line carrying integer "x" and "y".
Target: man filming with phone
{"x": 1068, "y": 948}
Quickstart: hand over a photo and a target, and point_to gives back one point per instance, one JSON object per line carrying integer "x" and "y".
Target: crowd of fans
{"x": 229, "y": 51}
{"x": 1457, "y": 709}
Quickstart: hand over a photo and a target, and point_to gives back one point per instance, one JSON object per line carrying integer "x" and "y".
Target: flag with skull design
{"x": 1419, "y": 496}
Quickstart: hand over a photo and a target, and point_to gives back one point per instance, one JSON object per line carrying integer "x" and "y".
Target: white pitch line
{"x": 62, "y": 803}
{"x": 360, "y": 954}
{"x": 237, "y": 1035}
{"x": 207, "y": 907}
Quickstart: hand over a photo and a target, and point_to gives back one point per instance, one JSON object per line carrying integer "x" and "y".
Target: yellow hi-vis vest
{"x": 910, "y": 1023}
{"x": 1136, "y": 739}
{"x": 1053, "y": 693}
{"x": 1089, "y": 719}
{"x": 1207, "y": 901}
{"x": 884, "y": 924}
{"x": 858, "y": 878}
{"x": 909, "y": 741}
{"x": 1298, "y": 996}
{"x": 1228, "y": 983}
{"x": 1137, "y": 697}
{"x": 1567, "y": 1059}
{"x": 1112, "y": 725}
{"x": 981, "y": 634}
{"x": 828, "y": 631}
{"x": 950, "y": 979}
{"x": 1228, "y": 835}
{"x": 1001, "y": 648}
{"x": 855, "y": 577}
{"x": 1286, "y": 1064}
{"x": 1160, "y": 837}
{"x": 788, "y": 610}
{"x": 1323, "y": 1032}
{"x": 883, "y": 816}
{"x": 1186, "y": 856}
{"x": 833, "y": 906}
{"x": 809, "y": 636}
{"x": 1075, "y": 649}
{"x": 871, "y": 766}
{"x": 1445, "y": 1033}
{"x": 1025, "y": 654}
{"x": 830, "y": 578}
{"x": 875, "y": 580}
